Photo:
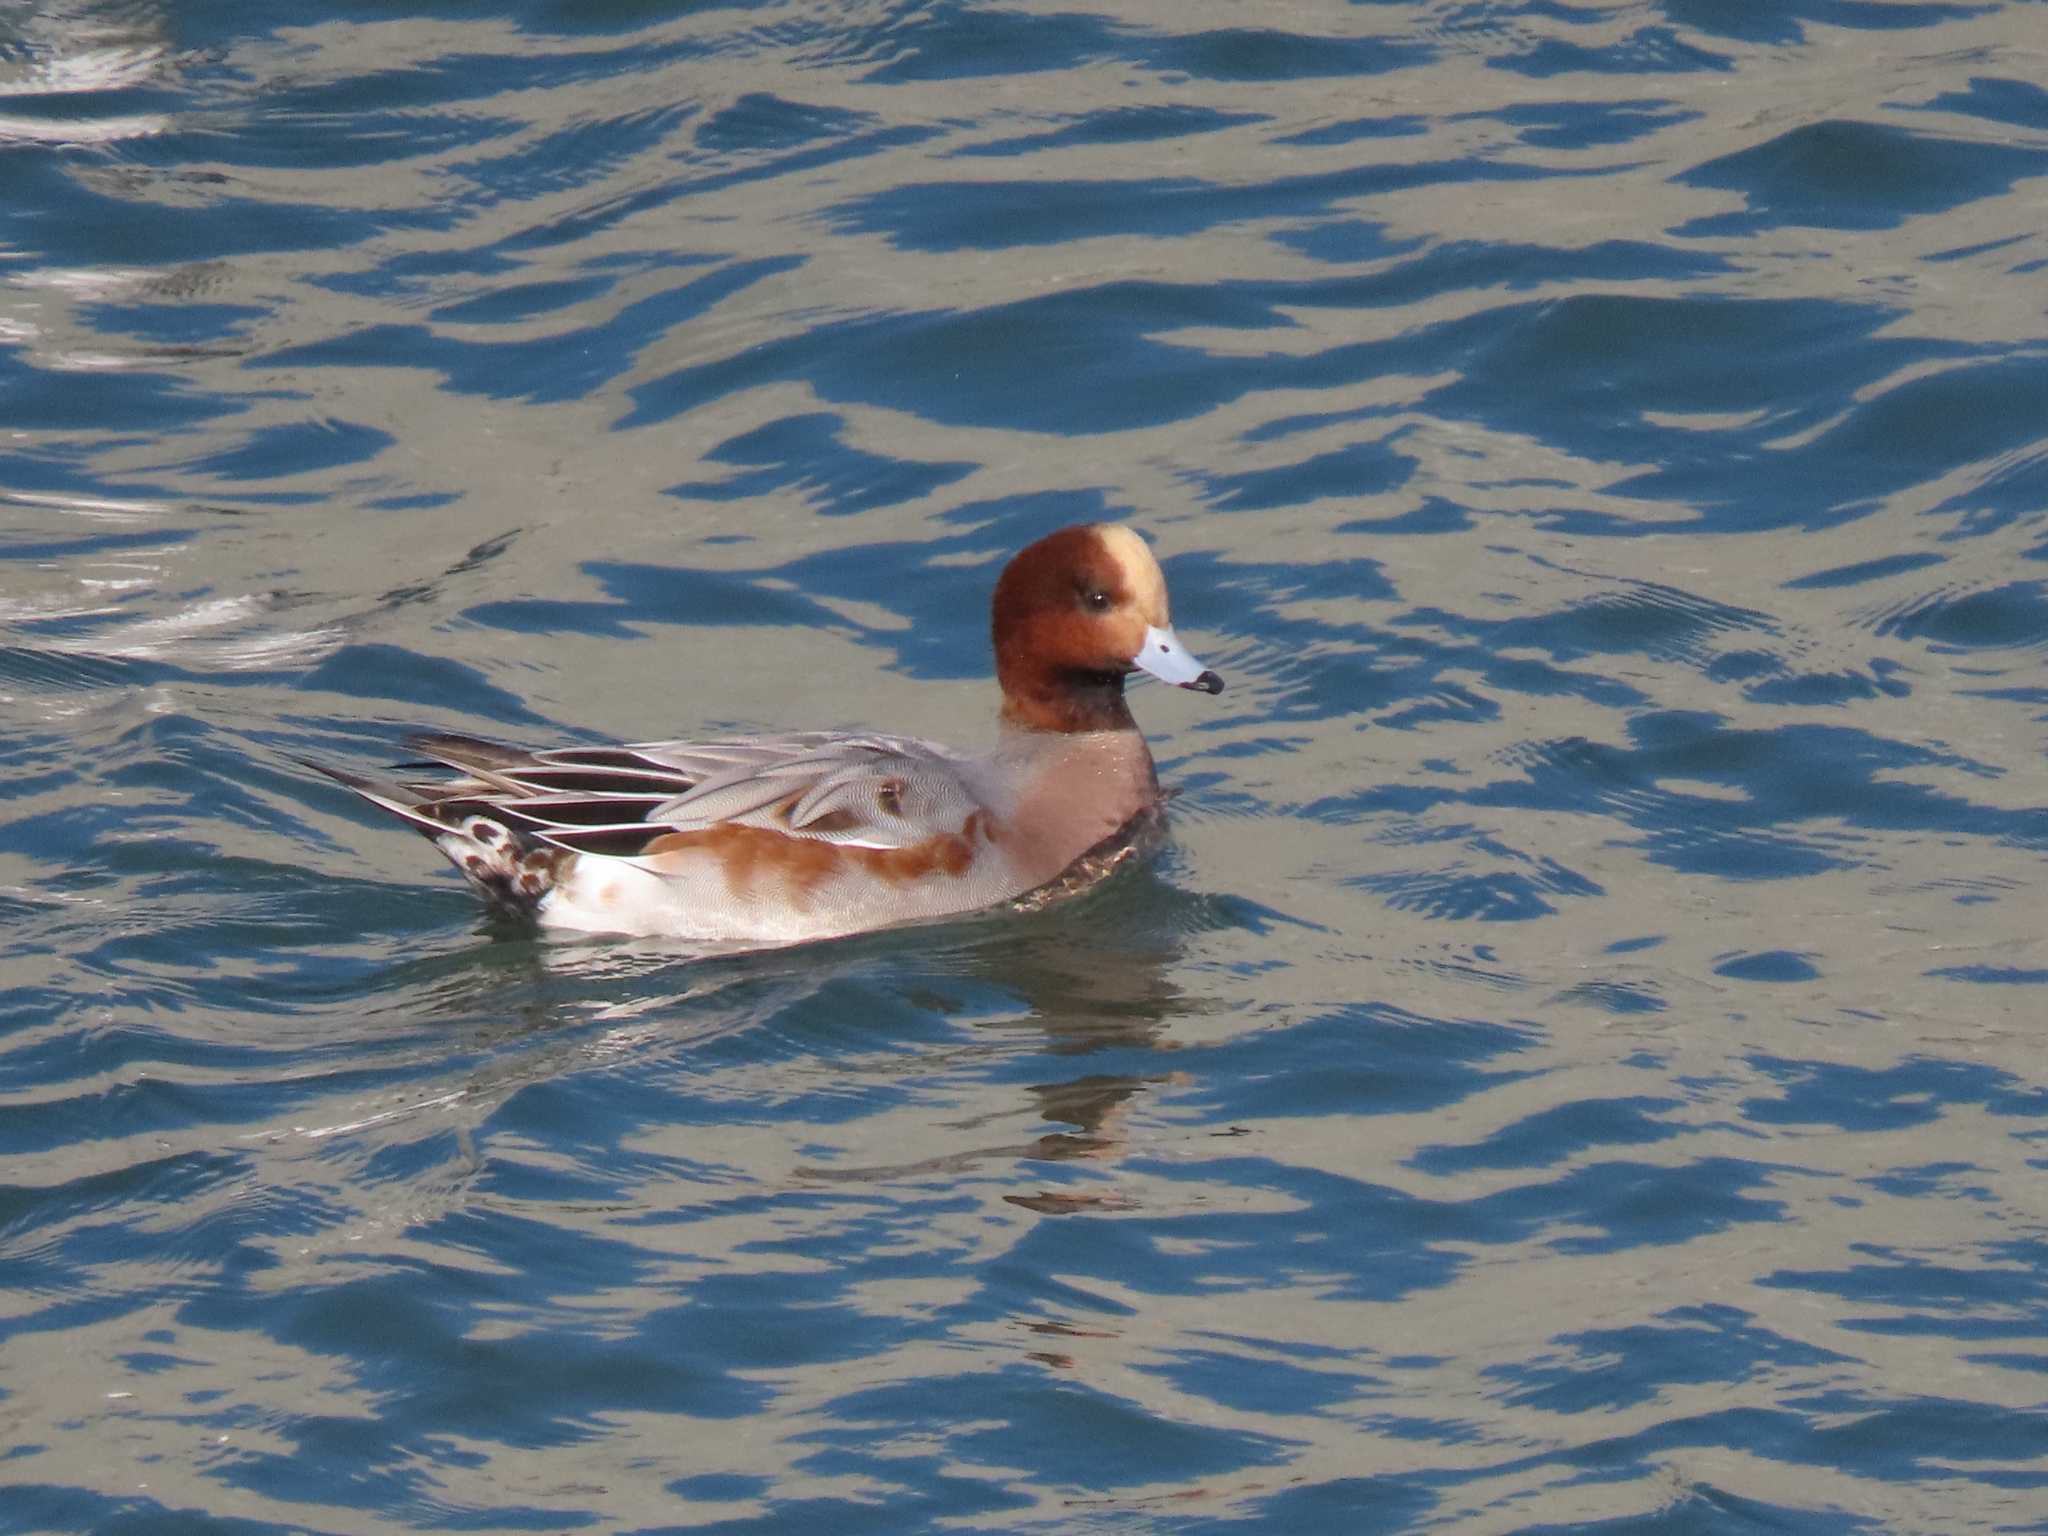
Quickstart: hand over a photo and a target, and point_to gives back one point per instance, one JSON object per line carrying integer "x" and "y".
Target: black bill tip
{"x": 1208, "y": 682}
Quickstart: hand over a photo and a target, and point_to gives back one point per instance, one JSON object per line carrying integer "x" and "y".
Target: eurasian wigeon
{"x": 778, "y": 839}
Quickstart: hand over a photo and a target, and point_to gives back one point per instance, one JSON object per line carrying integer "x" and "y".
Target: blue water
{"x": 1577, "y": 1065}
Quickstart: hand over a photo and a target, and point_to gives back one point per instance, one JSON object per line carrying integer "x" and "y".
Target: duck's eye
{"x": 1095, "y": 599}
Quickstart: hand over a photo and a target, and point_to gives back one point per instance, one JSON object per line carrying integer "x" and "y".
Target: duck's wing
{"x": 859, "y": 790}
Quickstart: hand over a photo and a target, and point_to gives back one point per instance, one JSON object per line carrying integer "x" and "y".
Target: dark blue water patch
{"x": 1002, "y": 523}
{"x": 1351, "y": 579}
{"x": 410, "y": 677}
{"x": 1362, "y": 1059}
{"x": 2033, "y": 698}
{"x": 1910, "y": 434}
{"x": 1768, "y": 965}
{"x": 85, "y": 228}
{"x": 1785, "y": 776}
{"x": 1891, "y": 1440}
{"x": 423, "y": 272}
{"x": 1906, "y": 1295}
{"x": 1645, "y": 51}
{"x": 388, "y": 103}
{"x": 1584, "y": 371}
{"x": 944, "y": 608}
{"x": 52, "y": 1507}
{"x": 1976, "y": 248}
{"x": 97, "y": 541}
{"x": 761, "y": 120}
{"x": 588, "y": 220}
{"x": 74, "y": 1208}
{"x": 1000, "y": 215}
{"x": 1643, "y": 618}
{"x": 988, "y": 367}
{"x": 1621, "y": 998}
{"x": 1767, "y": 680}
{"x": 1992, "y": 975}
{"x": 511, "y": 303}
{"x": 1367, "y": 468}
{"x": 2011, "y": 493}
{"x": 1931, "y": 1179}
{"x": 584, "y": 152}
{"x": 1387, "y": 1502}
{"x": 2018, "y": 103}
{"x": 1115, "y": 125}
{"x": 1861, "y": 571}
{"x": 1916, "y": 1091}
{"x": 365, "y": 120}
{"x": 1074, "y": 1433}
{"x": 1381, "y": 1243}
{"x": 577, "y": 18}
{"x": 180, "y": 323}
{"x": 1603, "y": 1370}
{"x": 1465, "y": 266}
{"x": 384, "y": 107}
{"x": 677, "y": 595}
{"x": 1458, "y": 894}
{"x": 2014, "y": 615}
{"x": 720, "y": 1487}
{"x": 1854, "y": 175}
{"x": 956, "y": 40}
{"x": 1261, "y": 1385}
{"x": 74, "y": 1279}
{"x": 1631, "y": 946}
{"x": 1240, "y": 54}
{"x": 807, "y": 454}
{"x": 279, "y": 452}
{"x": 150, "y": 405}
{"x": 432, "y": 1376}
{"x": 538, "y": 370}
{"x": 1584, "y": 125}
{"x": 1345, "y": 1238}
{"x": 1433, "y": 515}
{"x": 549, "y": 616}
{"x": 67, "y": 109}
{"x": 1697, "y": 1508}
{"x": 1345, "y": 241}
{"x": 1400, "y": 125}
{"x": 152, "y": 1362}
{"x": 421, "y": 502}
{"x": 1556, "y": 1135}
{"x": 1785, "y": 24}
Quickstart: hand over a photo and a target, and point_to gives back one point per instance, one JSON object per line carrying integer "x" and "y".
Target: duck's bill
{"x": 1167, "y": 659}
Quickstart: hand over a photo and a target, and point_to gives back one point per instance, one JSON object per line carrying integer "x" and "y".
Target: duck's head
{"x": 1076, "y": 613}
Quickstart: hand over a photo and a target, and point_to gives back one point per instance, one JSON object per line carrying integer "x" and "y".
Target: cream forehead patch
{"x": 1142, "y": 576}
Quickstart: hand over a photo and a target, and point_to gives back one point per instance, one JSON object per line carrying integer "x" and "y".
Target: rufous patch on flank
{"x": 757, "y": 861}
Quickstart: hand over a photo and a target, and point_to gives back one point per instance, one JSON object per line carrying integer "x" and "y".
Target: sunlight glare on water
{"x": 1576, "y": 1064}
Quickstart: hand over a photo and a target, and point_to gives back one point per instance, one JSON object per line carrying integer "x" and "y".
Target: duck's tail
{"x": 513, "y": 869}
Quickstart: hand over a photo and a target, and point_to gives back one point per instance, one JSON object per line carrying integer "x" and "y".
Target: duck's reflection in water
{"x": 948, "y": 1045}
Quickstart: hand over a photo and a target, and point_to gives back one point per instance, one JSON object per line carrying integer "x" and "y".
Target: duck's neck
{"x": 1068, "y": 702}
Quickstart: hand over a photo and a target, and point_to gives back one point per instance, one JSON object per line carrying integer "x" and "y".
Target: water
{"x": 1576, "y": 1067}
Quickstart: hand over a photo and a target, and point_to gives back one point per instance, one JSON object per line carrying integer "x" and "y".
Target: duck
{"x": 766, "y": 840}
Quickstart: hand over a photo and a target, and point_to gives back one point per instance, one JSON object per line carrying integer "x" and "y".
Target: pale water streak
{"x": 1578, "y": 1065}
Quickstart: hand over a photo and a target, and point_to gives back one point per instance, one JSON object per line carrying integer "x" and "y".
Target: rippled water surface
{"x": 1579, "y": 1063}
